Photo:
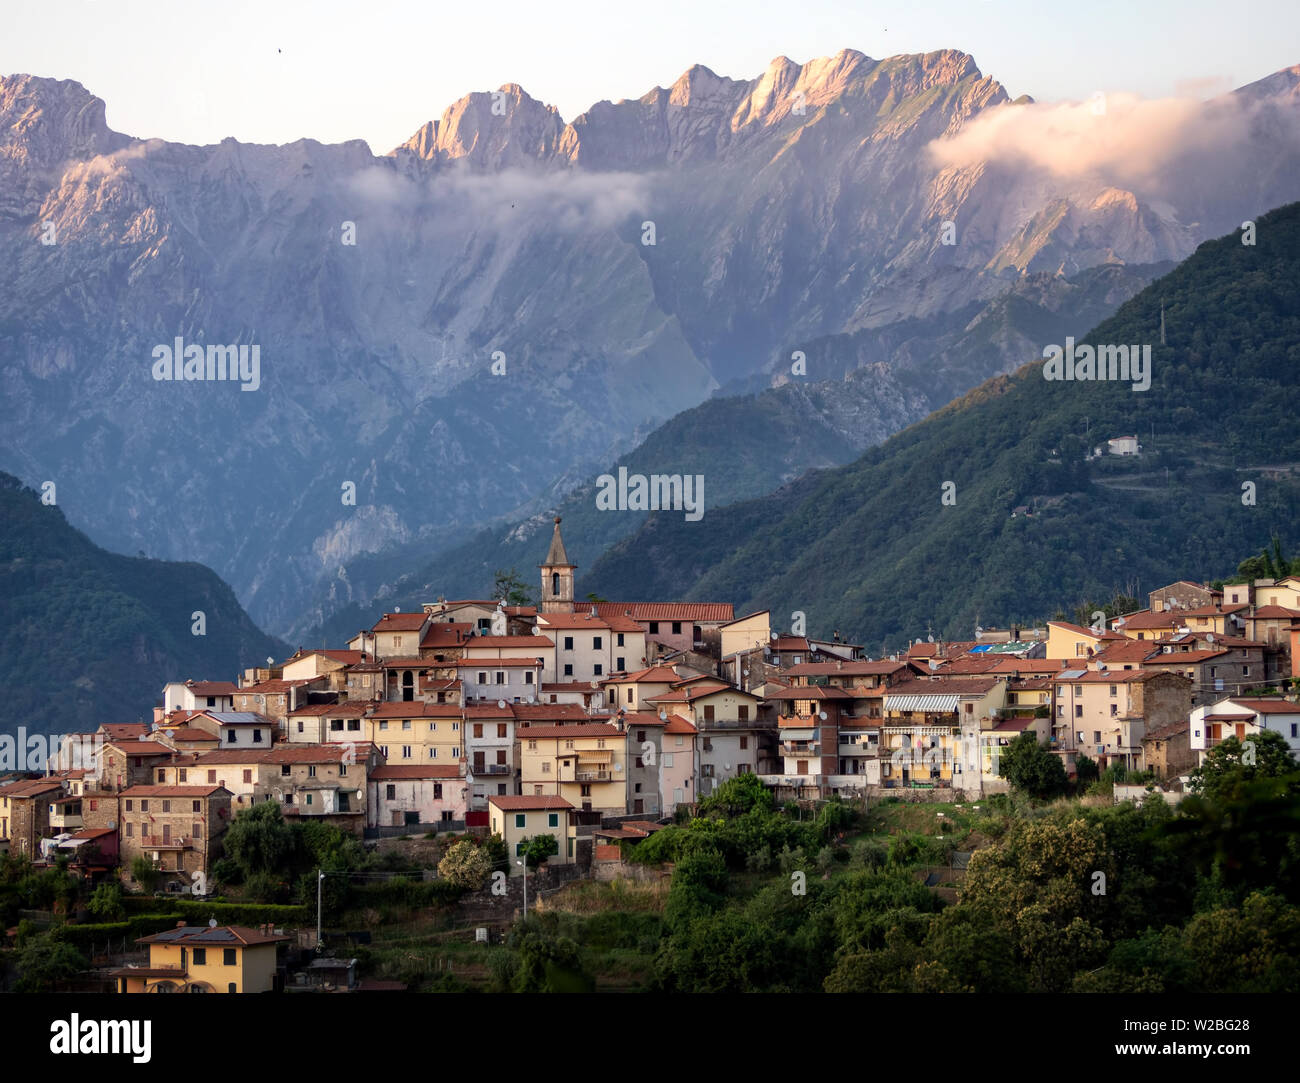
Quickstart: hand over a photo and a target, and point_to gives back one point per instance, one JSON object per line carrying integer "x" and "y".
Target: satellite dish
{"x": 397, "y": 609}
{"x": 501, "y": 703}
{"x": 359, "y": 795}
{"x": 663, "y": 715}
{"x": 814, "y": 648}
{"x": 1209, "y": 637}
{"x": 821, "y": 715}
{"x": 775, "y": 635}
{"x": 212, "y": 923}
{"x": 270, "y": 661}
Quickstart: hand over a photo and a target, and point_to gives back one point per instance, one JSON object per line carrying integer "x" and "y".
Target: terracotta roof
{"x": 651, "y": 675}
{"x": 488, "y": 710}
{"x": 642, "y": 718}
{"x": 507, "y": 663}
{"x": 1109, "y": 676}
{"x": 191, "y": 733}
{"x": 811, "y": 691}
{"x": 524, "y": 643}
{"x": 139, "y": 748}
{"x": 312, "y": 710}
{"x": 1144, "y": 619}
{"x": 124, "y": 729}
{"x": 1077, "y": 629}
{"x": 447, "y": 633}
{"x": 398, "y": 771}
{"x": 203, "y": 936}
{"x": 1173, "y": 658}
{"x": 387, "y": 709}
{"x": 541, "y": 712}
{"x": 29, "y": 787}
{"x": 940, "y": 686}
{"x": 509, "y": 804}
{"x": 581, "y": 619}
{"x": 400, "y": 622}
{"x": 1169, "y": 729}
{"x": 706, "y": 612}
{"x": 1268, "y": 706}
{"x": 1130, "y": 650}
{"x": 285, "y": 753}
{"x": 170, "y": 791}
{"x": 847, "y": 669}
{"x": 969, "y": 663}
{"x": 597, "y": 729}
{"x": 1028, "y": 665}
{"x": 1275, "y": 612}
{"x": 411, "y": 662}
{"x": 678, "y": 724}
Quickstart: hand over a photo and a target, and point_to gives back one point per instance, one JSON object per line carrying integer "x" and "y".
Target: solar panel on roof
{"x": 981, "y": 649}
{"x": 1070, "y": 674}
{"x": 215, "y": 934}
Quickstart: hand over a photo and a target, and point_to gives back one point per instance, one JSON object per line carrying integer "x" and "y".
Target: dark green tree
{"x": 1030, "y": 767}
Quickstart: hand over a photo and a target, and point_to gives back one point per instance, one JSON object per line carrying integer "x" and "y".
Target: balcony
{"x": 491, "y": 769}
{"x": 154, "y": 842}
{"x": 592, "y": 776}
{"x": 795, "y": 750}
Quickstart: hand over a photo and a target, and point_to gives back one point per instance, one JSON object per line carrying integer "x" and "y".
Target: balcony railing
{"x": 593, "y": 776}
{"x": 788, "y": 749}
{"x": 491, "y": 769}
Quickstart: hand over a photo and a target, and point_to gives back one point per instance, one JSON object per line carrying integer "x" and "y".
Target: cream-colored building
{"x": 585, "y": 763}
{"x": 518, "y": 818}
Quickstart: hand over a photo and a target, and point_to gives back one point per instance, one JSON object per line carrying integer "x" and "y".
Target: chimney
{"x": 180, "y": 925}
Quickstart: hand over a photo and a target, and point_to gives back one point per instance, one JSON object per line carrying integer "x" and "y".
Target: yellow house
{"x": 409, "y": 733}
{"x": 1066, "y": 640}
{"x": 205, "y": 959}
{"x": 519, "y": 818}
{"x": 747, "y": 633}
{"x": 584, "y": 763}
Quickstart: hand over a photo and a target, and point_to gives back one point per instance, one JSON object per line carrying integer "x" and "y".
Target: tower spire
{"x": 557, "y": 576}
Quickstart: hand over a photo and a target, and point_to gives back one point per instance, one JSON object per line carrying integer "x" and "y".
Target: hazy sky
{"x": 274, "y": 72}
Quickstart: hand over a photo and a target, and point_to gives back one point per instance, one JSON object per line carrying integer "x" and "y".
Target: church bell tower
{"x": 557, "y": 576}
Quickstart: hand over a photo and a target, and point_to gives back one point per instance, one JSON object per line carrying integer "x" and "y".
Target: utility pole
{"x": 320, "y": 879}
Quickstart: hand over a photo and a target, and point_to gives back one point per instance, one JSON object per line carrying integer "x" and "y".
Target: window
{"x": 568, "y": 743}
{"x": 196, "y": 830}
{"x": 1078, "y": 710}
{"x": 248, "y": 776}
{"x": 638, "y": 762}
{"x": 1114, "y": 710}
{"x": 167, "y": 806}
{"x": 667, "y": 759}
{"x": 200, "y": 957}
{"x": 309, "y": 796}
{"x": 228, "y": 956}
{"x": 343, "y": 769}
{"x": 501, "y": 729}
{"x": 94, "y": 805}
{"x": 383, "y": 725}
{"x": 482, "y": 676}
{"x": 532, "y": 746}
{"x": 336, "y": 725}
{"x": 708, "y": 714}
{"x": 677, "y": 627}
{"x": 618, "y": 640}
{"x": 598, "y": 669}
{"x": 568, "y": 670}
{"x": 586, "y": 790}
{"x": 528, "y": 676}
{"x": 1114, "y": 690}
{"x": 500, "y": 677}
{"x": 596, "y": 643}
{"x": 406, "y": 752}
{"x": 744, "y": 743}
{"x": 654, "y": 627}
{"x": 180, "y": 775}
{"x": 230, "y": 737}
{"x": 300, "y": 725}
{"x": 478, "y": 729}
{"x": 390, "y": 792}
{"x": 455, "y": 727}
{"x": 311, "y": 770}
{"x": 354, "y": 725}
{"x": 437, "y": 791}
{"x": 742, "y": 712}
{"x": 553, "y": 820}
{"x": 1245, "y": 671}
{"x": 970, "y": 708}
{"x": 406, "y": 723}
{"x": 620, "y": 664}
{"x": 162, "y": 776}
{"x": 257, "y": 737}
{"x": 555, "y": 584}
{"x": 520, "y": 819}
{"x": 1096, "y": 737}
{"x": 600, "y": 742}
{"x": 130, "y": 829}
{"x": 196, "y": 807}
{"x": 144, "y": 806}
{"x": 568, "y": 643}
{"x": 285, "y": 770}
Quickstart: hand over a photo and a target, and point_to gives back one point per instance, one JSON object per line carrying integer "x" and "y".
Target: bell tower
{"x": 557, "y": 576}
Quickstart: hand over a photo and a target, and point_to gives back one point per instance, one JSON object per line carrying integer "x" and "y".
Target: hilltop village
{"x": 590, "y": 721}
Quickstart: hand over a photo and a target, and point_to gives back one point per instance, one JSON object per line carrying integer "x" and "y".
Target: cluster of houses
{"x": 595, "y": 721}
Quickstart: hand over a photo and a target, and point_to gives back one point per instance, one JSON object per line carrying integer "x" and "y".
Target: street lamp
{"x": 523, "y": 866}
{"x": 320, "y": 879}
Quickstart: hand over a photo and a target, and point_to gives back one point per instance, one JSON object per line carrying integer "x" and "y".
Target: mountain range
{"x": 526, "y": 300}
